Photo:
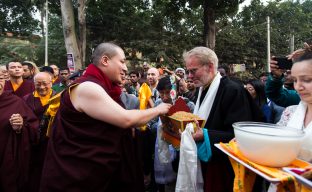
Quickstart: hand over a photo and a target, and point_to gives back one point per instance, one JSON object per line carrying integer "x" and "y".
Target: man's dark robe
{"x": 232, "y": 104}
{"x": 39, "y": 150}
{"x": 57, "y": 81}
{"x": 15, "y": 148}
{"x": 85, "y": 154}
{"x": 25, "y": 88}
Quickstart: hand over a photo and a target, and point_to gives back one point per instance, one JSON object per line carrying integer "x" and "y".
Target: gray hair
{"x": 108, "y": 49}
{"x": 203, "y": 54}
{"x": 42, "y": 73}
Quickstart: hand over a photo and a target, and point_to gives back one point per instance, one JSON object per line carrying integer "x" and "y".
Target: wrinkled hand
{"x": 199, "y": 134}
{"x": 163, "y": 108}
{"x": 275, "y": 69}
{"x": 16, "y": 122}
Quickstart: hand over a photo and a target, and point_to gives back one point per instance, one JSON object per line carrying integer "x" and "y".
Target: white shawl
{"x": 204, "y": 109}
{"x": 297, "y": 121}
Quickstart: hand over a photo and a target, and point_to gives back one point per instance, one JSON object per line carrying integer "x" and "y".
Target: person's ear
{"x": 104, "y": 60}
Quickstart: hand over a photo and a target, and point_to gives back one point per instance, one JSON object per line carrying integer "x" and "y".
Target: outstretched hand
{"x": 163, "y": 108}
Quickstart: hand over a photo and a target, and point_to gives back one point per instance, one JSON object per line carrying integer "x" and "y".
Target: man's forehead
{"x": 152, "y": 71}
{"x": 192, "y": 61}
{"x": 165, "y": 91}
{"x": 15, "y": 64}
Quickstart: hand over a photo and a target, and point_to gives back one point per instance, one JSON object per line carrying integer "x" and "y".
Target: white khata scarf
{"x": 204, "y": 109}
{"x": 297, "y": 121}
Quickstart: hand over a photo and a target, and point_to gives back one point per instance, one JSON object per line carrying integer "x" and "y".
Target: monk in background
{"x": 38, "y": 103}
{"x": 17, "y": 85}
{"x": 18, "y": 131}
{"x": 91, "y": 136}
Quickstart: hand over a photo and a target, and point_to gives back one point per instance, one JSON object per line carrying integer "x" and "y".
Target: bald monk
{"x": 5, "y": 72}
{"x": 16, "y": 84}
{"x": 91, "y": 136}
{"x": 17, "y": 134}
{"x": 38, "y": 103}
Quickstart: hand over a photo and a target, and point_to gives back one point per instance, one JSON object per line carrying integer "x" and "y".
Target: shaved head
{"x": 152, "y": 76}
{"x": 2, "y": 81}
{"x": 43, "y": 75}
{"x": 43, "y": 83}
{"x": 153, "y": 70}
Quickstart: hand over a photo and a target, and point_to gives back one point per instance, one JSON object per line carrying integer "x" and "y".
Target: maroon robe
{"x": 25, "y": 88}
{"x": 85, "y": 154}
{"x": 38, "y": 151}
{"x": 15, "y": 148}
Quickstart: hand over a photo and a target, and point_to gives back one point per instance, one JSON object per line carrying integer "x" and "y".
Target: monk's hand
{"x": 16, "y": 122}
{"x": 163, "y": 108}
{"x": 199, "y": 134}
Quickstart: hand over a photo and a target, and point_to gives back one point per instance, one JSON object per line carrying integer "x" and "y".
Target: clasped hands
{"x": 16, "y": 122}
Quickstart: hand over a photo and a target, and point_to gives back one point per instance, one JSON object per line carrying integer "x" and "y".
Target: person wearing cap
{"x": 180, "y": 72}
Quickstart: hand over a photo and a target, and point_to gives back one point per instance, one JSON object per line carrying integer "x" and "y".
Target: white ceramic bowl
{"x": 268, "y": 144}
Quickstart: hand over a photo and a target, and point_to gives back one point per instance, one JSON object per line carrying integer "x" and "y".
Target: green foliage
{"x": 244, "y": 39}
{"x": 16, "y": 17}
{"x": 160, "y": 28}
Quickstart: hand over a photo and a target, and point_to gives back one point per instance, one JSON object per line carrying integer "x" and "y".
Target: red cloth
{"x": 112, "y": 89}
{"x": 90, "y": 155}
{"x": 26, "y": 87}
{"x": 15, "y": 148}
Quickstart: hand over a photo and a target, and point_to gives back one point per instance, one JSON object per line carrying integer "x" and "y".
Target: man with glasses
{"x": 38, "y": 103}
{"x": 221, "y": 102}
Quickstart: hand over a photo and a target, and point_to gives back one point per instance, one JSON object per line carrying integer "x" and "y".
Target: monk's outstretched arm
{"x": 92, "y": 99}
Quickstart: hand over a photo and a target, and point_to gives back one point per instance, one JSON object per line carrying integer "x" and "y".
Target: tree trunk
{"x": 209, "y": 34}
{"x": 82, "y": 29}
{"x": 69, "y": 31}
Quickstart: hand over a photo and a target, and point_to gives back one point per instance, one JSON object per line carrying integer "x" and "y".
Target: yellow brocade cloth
{"x": 145, "y": 94}
{"x": 54, "y": 104}
{"x": 44, "y": 100}
{"x": 245, "y": 178}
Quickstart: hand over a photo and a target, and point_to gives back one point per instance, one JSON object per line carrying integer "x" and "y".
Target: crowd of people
{"x": 87, "y": 131}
